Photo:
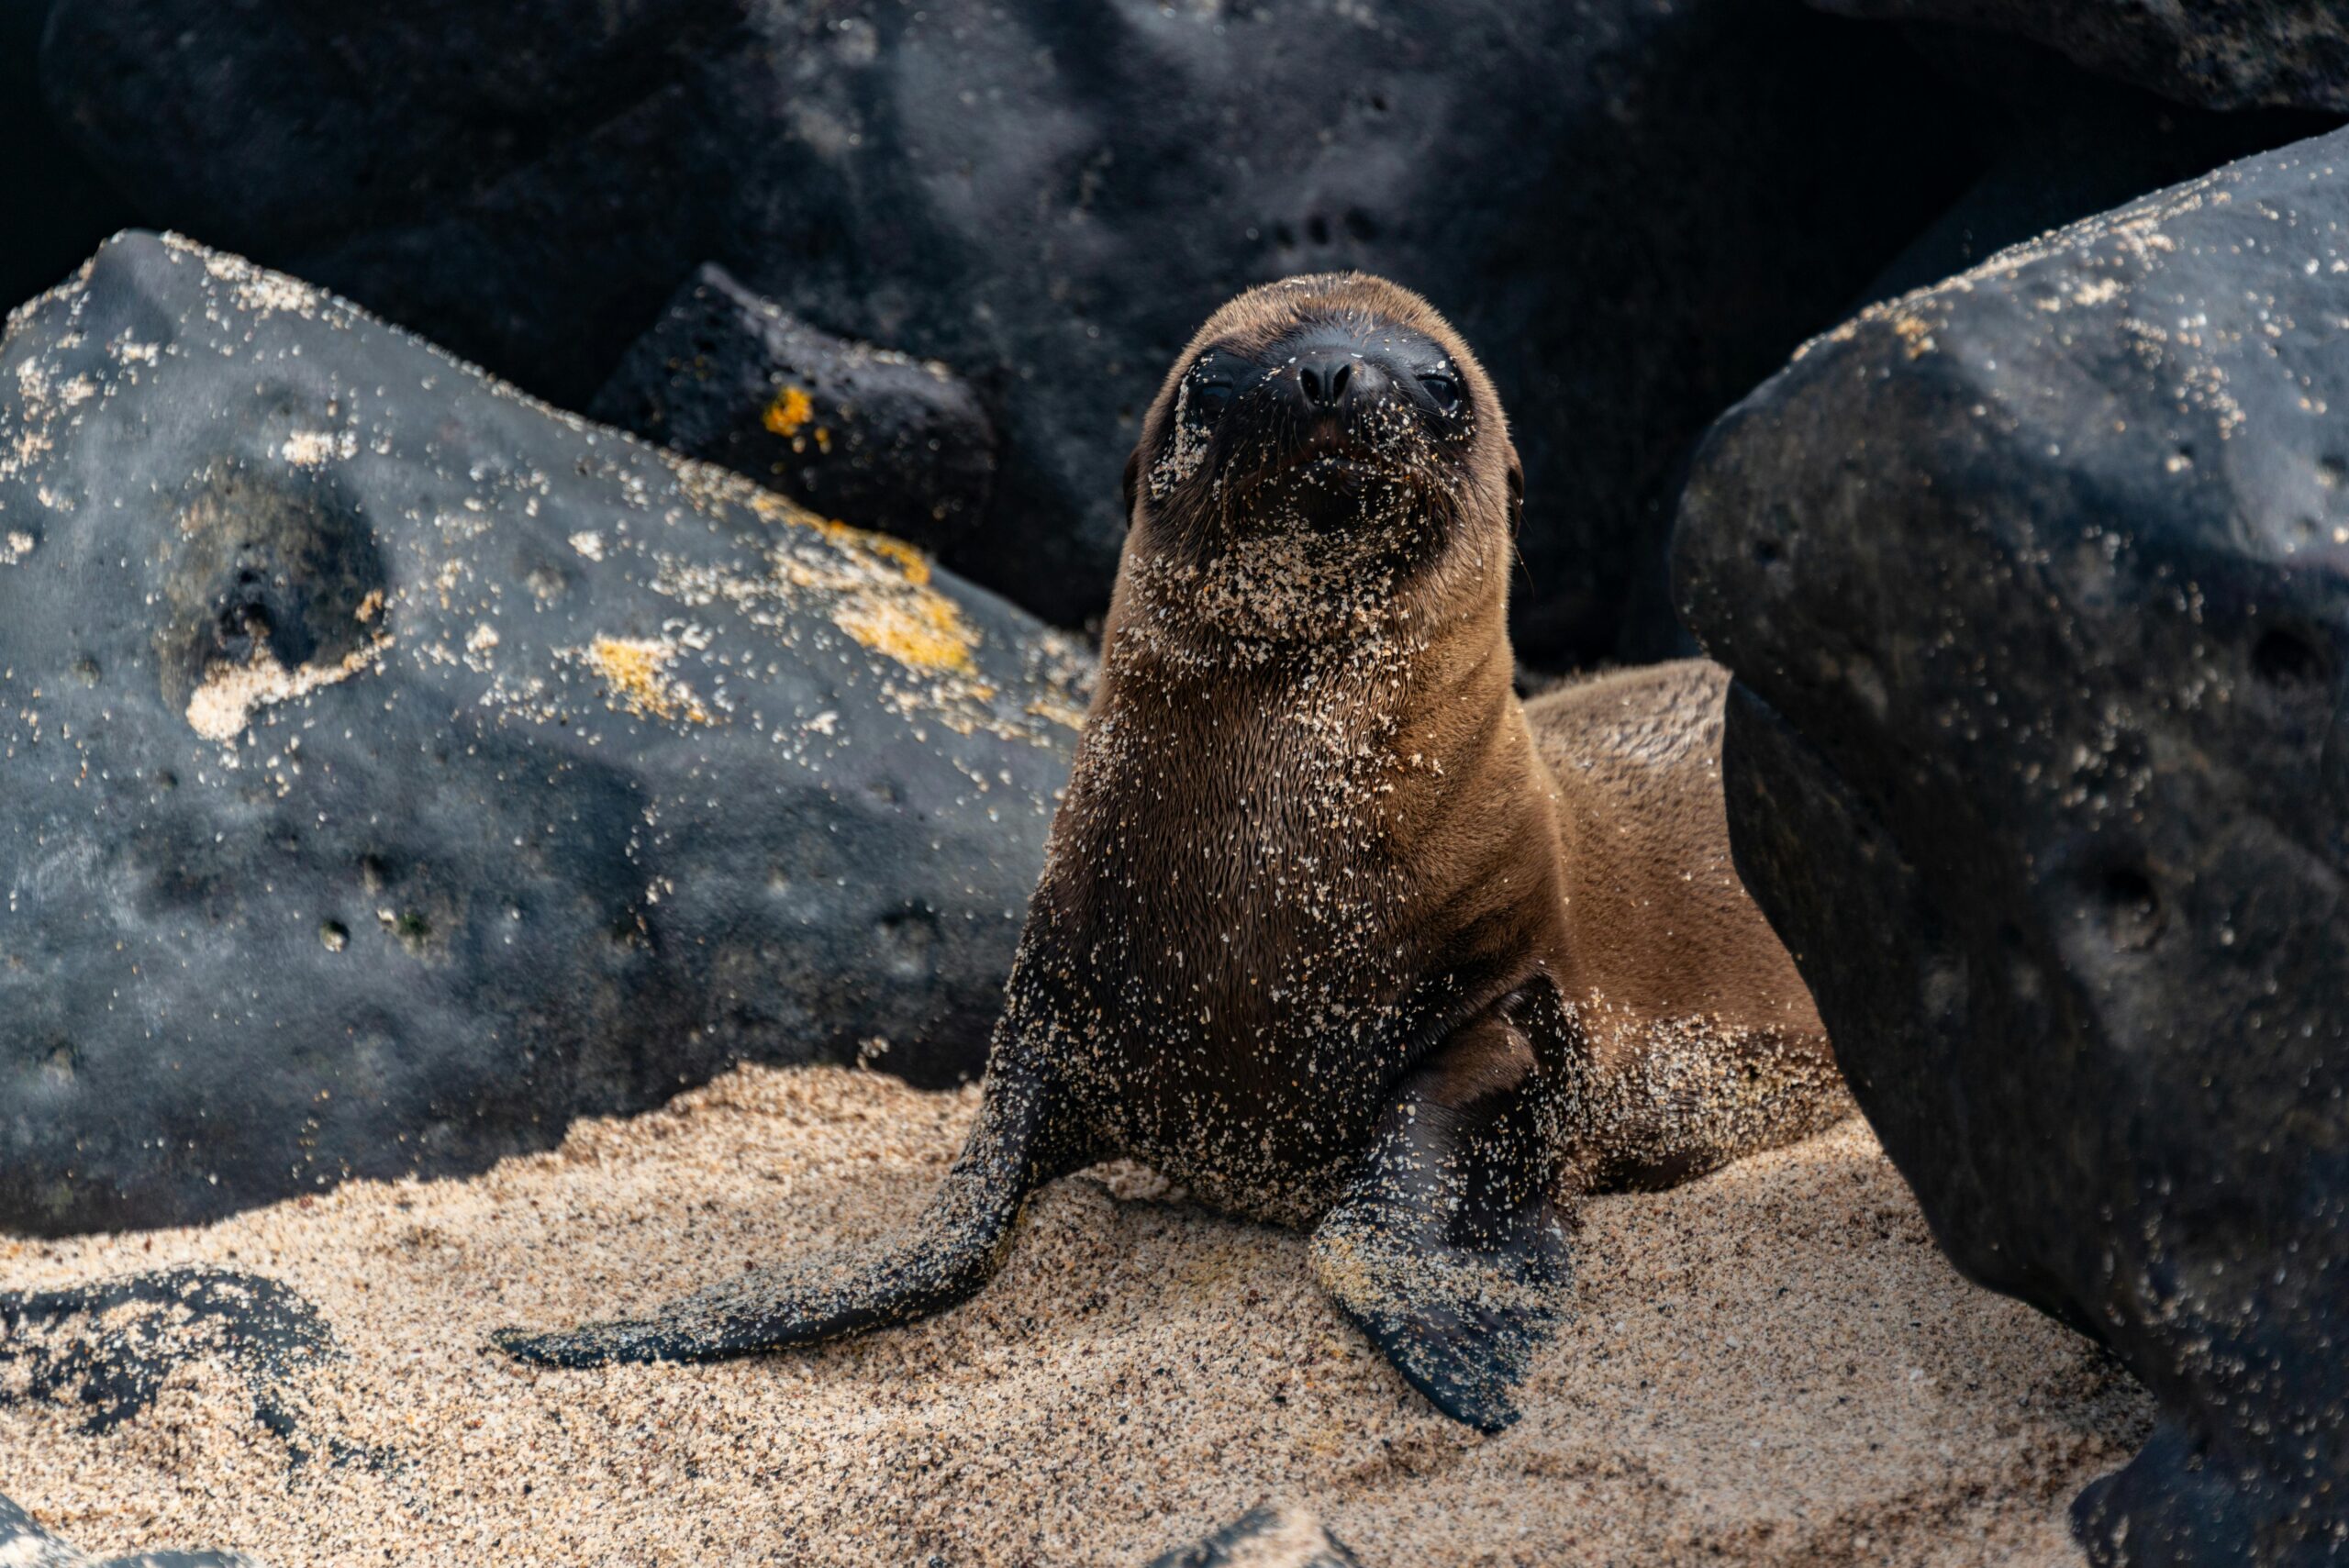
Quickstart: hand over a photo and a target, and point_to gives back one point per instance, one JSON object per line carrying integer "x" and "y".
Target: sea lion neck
{"x": 1395, "y": 717}
{"x": 1294, "y": 600}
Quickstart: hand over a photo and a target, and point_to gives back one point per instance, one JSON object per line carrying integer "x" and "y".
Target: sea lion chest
{"x": 1227, "y": 937}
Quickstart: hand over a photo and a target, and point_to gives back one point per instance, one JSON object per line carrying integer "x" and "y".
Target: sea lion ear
{"x": 1134, "y": 480}
{"x": 1516, "y": 493}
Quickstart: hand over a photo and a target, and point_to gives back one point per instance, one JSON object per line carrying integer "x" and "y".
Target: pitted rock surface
{"x": 2036, "y": 589}
{"x": 398, "y": 770}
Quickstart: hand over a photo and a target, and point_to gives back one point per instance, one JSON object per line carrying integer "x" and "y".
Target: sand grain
{"x": 1773, "y": 1366}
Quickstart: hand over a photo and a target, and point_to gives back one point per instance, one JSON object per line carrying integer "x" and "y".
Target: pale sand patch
{"x": 1772, "y": 1365}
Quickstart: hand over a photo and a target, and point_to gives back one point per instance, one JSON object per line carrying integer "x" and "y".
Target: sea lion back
{"x": 1662, "y": 923}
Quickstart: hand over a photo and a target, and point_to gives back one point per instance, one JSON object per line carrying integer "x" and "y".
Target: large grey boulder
{"x": 1633, "y": 210}
{"x": 2036, "y": 589}
{"x": 398, "y": 769}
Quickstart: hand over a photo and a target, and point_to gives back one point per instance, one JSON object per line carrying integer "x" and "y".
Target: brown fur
{"x": 1332, "y": 927}
{"x": 1375, "y": 733}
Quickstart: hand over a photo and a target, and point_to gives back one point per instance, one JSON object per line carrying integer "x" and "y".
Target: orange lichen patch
{"x": 792, "y": 409}
{"x": 908, "y": 619}
{"x": 880, "y": 586}
{"x": 636, "y": 671}
{"x": 909, "y": 558}
{"x": 923, "y": 630}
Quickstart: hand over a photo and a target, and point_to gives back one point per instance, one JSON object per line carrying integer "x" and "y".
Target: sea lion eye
{"x": 1443, "y": 389}
{"x": 1212, "y": 398}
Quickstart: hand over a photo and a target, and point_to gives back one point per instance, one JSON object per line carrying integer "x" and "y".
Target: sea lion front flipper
{"x": 951, "y": 1249}
{"x": 1448, "y": 1248}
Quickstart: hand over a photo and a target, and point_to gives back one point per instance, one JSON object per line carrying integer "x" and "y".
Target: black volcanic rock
{"x": 2062, "y": 144}
{"x": 2218, "y": 54}
{"x": 2036, "y": 589}
{"x": 398, "y": 770}
{"x": 849, "y": 431}
{"x": 57, "y": 207}
{"x": 110, "y": 1346}
{"x": 1634, "y": 210}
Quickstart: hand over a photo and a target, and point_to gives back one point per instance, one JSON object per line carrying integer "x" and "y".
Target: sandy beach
{"x": 1772, "y": 1365}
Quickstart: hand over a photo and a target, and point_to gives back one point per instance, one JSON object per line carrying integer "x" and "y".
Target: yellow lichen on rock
{"x": 885, "y": 597}
{"x": 1067, "y": 715}
{"x": 635, "y": 672}
{"x": 923, "y": 631}
{"x": 909, "y": 557}
{"x": 880, "y": 586}
{"x": 791, "y": 409}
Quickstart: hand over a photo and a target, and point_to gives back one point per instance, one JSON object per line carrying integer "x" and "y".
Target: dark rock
{"x": 24, "y": 1544}
{"x": 110, "y": 1346}
{"x": 1265, "y": 1538}
{"x": 847, "y": 429}
{"x": 1632, "y": 210}
{"x": 2036, "y": 589}
{"x": 2220, "y": 54}
{"x": 58, "y": 209}
{"x": 398, "y": 770}
{"x": 2062, "y": 144}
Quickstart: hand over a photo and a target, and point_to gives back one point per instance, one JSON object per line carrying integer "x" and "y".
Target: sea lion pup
{"x": 1330, "y": 928}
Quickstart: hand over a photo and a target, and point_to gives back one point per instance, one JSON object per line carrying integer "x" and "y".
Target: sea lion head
{"x": 1326, "y": 454}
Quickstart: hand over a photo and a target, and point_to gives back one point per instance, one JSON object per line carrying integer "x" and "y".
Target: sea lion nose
{"x": 1328, "y": 382}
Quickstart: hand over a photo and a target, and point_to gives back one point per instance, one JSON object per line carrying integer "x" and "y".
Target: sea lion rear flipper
{"x": 951, "y": 1249}
{"x": 1448, "y": 1248}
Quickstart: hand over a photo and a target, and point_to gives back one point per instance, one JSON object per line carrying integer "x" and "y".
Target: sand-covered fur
{"x": 1320, "y": 933}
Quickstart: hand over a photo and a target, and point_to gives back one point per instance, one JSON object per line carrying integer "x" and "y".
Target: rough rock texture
{"x": 2036, "y": 587}
{"x": 850, "y": 431}
{"x": 1632, "y": 210}
{"x": 58, "y": 209}
{"x": 24, "y": 1544}
{"x": 1269, "y": 1537}
{"x": 2220, "y": 54}
{"x": 396, "y": 769}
